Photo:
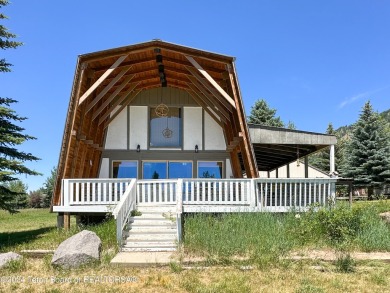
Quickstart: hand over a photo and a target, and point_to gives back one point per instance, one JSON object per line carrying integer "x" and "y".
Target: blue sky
{"x": 314, "y": 61}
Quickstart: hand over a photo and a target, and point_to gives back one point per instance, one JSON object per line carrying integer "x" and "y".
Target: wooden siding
{"x": 122, "y": 76}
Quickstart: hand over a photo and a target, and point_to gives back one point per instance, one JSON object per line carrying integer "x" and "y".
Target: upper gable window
{"x": 165, "y": 131}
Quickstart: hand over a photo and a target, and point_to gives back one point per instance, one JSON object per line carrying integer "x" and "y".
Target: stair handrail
{"x": 123, "y": 209}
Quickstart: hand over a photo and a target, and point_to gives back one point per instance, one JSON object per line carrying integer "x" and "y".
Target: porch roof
{"x": 275, "y": 147}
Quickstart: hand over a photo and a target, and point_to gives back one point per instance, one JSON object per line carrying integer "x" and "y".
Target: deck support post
{"x": 66, "y": 221}
{"x": 60, "y": 220}
{"x": 332, "y": 168}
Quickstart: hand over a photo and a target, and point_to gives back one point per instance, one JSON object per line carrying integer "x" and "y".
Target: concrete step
{"x": 155, "y": 249}
{"x": 147, "y": 222}
{"x": 151, "y": 229}
{"x": 156, "y": 215}
{"x": 157, "y": 209}
{"x": 142, "y": 259}
{"x": 152, "y": 237}
{"x": 150, "y": 244}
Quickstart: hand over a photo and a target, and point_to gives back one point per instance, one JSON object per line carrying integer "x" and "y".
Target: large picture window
{"x": 210, "y": 169}
{"x": 165, "y": 131}
{"x": 124, "y": 169}
{"x": 167, "y": 169}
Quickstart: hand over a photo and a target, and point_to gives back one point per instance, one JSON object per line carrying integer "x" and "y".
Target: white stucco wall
{"x": 192, "y": 128}
{"x": 213, "y": 134}
{"x": 117, "y": 132}
{"x": 104, "y": 168}
{"x": 229, "y": 172}
{"x": 138, "y": 130}
{"x": 295, "y": 172}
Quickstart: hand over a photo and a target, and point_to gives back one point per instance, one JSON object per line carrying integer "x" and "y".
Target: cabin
{"x": 161, "y": 128}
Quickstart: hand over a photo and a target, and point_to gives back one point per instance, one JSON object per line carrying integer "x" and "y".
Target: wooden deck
{"x": 121, "y": 196}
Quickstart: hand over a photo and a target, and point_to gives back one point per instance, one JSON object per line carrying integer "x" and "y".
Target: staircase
{"x": 154, "y": 230}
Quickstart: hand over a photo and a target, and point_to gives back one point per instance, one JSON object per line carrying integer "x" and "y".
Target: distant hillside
{"x": 343, "y": 130}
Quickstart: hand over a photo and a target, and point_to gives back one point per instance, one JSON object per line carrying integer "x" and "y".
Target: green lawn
{"x": 36, "y": 229}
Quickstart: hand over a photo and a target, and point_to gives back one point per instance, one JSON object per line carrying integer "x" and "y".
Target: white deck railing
{"x": 123, "y": 209}
{"x": 156, "y": 192}
{"x": 217, "y": 191}
{"x": 293, "y": 194}
{"x": 261, "y": 194}
{"x": 93, "y": 191}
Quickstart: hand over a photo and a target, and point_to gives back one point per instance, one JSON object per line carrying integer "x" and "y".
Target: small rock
{"x": 318, "y": 268}
{"x": 385, "y": 217}
{"x": 78, "y": 250}
{"x": 7, "y": 257}
{"x": 246, "y": 268}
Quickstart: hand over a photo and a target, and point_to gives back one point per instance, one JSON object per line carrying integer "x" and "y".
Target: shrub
{"x": 345, "y": 263}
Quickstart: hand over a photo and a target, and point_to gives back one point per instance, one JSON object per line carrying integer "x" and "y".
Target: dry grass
{"x": 37, "y": 275}
{"x": 294, "y": 277}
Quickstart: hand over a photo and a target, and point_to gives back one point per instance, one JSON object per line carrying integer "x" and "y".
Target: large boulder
{"x": 385, "y": 217}
{"x": 78, "y": 250}
{"x": 7, "y": 257}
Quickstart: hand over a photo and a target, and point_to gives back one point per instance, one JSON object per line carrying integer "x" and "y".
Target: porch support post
{"x": 288, "y": 170}
{"x": 66, "y": 221}
{"x": 306, "y": 167}
{"x": 332, "y": 160}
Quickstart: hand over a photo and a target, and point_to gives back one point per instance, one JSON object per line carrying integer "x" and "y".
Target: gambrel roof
{"x": 112, "y": 78}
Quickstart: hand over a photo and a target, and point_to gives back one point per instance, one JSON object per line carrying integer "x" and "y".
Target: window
{"x": 165, "y": 131}
{"x": 155, "y": 170}
{"x": 210, "y": 170}
{"x": 180, "y": 170}
{"x": 124, "y": 169}
{"x": 167, "y": 169}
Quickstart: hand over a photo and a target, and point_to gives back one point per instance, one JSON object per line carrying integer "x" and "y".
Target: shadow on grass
{"x": 11, "y": 239}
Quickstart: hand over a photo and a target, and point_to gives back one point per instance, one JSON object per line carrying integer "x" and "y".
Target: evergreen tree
{"x": 11, "y": 160}
{"x": 262, "y": 114}
{"x": 291, "y": 125}
{"x": 48, "y": 188}
{"x": 20, "y": 201}
{"x": 321, "y": 159}
{"x": 367, "y": 153}
{"x": 6, "y": 40}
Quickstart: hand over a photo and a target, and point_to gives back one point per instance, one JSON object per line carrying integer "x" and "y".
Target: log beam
{"x": 101, "y": 79}
{"x": 211, "y": 80}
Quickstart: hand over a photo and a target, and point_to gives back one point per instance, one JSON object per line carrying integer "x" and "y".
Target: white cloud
{"x": 354, "y": 98}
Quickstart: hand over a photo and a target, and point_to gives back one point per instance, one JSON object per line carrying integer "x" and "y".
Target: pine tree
{"x": 11, "y": 135}
{"x": 6, "y": 41}
{"x": 367, "y": 153}
{"x": 262, "y": 114}
{"x": 321, "y": 159}
{"x": 48, "y": 188}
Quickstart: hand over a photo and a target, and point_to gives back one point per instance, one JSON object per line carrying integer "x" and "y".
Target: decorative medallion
{"x": 167, "y": 133}
{"x": 162, "y": 110}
